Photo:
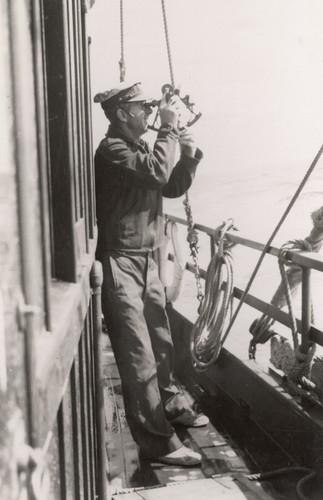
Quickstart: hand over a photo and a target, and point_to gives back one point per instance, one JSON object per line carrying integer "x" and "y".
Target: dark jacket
{"x": 131, "y": 180}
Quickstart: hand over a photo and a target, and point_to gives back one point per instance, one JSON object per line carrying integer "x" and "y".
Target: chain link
{"x": 192, "y": 238}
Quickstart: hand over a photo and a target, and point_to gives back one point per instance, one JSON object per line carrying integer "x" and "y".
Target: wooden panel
{"x": 12, "y": 356}
{"x": 52, "y": 458}
{"x": 57, "y": 348}
{"x": 61, "y": 145}
{"x": 79, "y": 105}
{"x": 72, "y": 93}
{"x": 43, "y": 149}
{"x": 87, "y": 476}
{"x": 67, "y": 448}
{"x": 77, "y": 428}
{"x": 88, "y": 132}
{"x": 90, "y": 394}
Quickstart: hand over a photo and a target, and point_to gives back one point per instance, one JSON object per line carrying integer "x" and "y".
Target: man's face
{"x": 137, "y": 116}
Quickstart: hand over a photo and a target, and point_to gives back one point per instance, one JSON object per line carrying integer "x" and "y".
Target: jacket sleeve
{"x": 139, "y": 166}
{"x": 182, "y": 175}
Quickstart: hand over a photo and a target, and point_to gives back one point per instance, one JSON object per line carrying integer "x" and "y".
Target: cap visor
{"x": 141, "y": 97}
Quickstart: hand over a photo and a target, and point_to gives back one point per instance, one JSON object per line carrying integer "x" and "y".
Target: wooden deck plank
{"x": 127, "y": 470}
{"x": 226, "y": 487}
{"x": 231, "y": 447}
{"x": 223, "y": 458}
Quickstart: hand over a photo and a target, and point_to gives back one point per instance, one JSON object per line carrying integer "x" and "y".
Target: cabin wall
{"x": 12, "y": 381}
{"x": 50, "y": 284}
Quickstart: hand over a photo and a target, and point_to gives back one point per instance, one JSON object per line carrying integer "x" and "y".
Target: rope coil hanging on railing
{"x": 216, "y": 304}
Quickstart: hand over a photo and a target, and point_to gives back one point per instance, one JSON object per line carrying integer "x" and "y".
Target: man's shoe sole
{"x": 179, "y": 461}
{"x": 202, "y": 423}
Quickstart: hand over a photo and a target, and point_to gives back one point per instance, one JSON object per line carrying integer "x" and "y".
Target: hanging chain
{"x": 192, "y": 236}
{"x": 122, "y": 64}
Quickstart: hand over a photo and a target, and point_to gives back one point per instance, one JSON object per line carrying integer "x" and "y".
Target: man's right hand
{"x": 169, "y": 111}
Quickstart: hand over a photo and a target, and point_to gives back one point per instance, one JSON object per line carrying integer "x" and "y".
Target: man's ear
{"x": 122, "y": 115}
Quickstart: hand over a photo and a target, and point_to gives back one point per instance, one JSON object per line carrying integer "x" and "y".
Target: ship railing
{"x": 308, "y": 261}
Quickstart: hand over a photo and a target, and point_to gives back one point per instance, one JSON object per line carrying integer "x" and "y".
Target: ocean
{"x": 255, "y": 197}
{"x": 255, "y": 71}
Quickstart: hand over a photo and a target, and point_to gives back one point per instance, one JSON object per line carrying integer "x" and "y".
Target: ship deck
{"x": 231, "y": 446}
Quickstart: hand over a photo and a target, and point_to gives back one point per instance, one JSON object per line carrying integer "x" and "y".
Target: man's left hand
{"x": 187, "y": 143}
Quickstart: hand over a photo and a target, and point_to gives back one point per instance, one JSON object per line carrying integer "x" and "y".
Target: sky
{"x": 254, "y": 68}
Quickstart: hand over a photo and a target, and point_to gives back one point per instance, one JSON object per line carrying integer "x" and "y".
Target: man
{"x": 130, "y": 182}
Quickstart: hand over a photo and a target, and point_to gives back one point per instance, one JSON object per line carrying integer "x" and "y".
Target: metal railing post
{"x": 96, "y": 279}
{"x": 212, "y": 245}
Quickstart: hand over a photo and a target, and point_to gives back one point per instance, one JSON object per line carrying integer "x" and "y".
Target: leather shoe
{"x": 182, "y": 456}
{"x": 190, "y": 418}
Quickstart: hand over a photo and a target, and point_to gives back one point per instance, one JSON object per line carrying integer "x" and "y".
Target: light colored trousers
{"x": 133, "y": 304}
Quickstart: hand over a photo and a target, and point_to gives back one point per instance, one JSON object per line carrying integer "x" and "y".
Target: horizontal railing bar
{"x": 305, "y": 259}
{"x": 205, "y": 229}
{"x": 278, "y": 315}
{"x": 282, "y": 317}
{"x": 266, "y": 308}
{"x": 255, "y": 245}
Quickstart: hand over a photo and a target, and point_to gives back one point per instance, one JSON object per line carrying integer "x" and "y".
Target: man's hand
{"x": 169, "y": 111}
{"x": 187, "y": 143}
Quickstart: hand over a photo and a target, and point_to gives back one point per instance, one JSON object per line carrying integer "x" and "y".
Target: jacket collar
{"x": 113, "y": 132}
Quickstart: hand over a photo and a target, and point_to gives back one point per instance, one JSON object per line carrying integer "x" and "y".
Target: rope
{"x": 261, "y": 329}
{"x": 299, "y": 372}
{"x": 294, "y": 245}
{"x": 217, "y": 303}
{"x": 295, "y": 364}
{"x": 122, "y": 64}
{"x": 170, "y": 63}
{"x": 309, "y": 474}
{"x": 267, "y": 245}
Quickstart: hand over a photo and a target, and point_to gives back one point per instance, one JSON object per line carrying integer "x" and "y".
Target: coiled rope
{"x": 217, "y": 303}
